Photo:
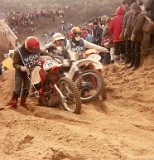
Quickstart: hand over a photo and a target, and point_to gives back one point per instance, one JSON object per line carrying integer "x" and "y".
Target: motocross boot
{"x": 23, "y": 101}
{"x": 13, "y": 102}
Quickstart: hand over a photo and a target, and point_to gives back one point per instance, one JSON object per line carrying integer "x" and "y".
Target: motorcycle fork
{"x": 56, "y": 87}
{"x": 59, "y": 92}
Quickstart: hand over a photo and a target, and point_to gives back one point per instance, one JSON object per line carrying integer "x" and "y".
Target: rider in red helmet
{"x": 24, "y": 58}
{"x": 32, "y": 45}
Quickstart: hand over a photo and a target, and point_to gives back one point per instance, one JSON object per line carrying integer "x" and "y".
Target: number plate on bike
{"x": 49, "y": 64}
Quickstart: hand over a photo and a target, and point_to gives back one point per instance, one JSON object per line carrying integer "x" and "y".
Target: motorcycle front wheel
{"x": 71, "y": 100}
{"x": 90, "y": 84}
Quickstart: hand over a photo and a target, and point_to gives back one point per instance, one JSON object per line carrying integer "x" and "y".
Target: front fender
{"x": 77, "y": 64}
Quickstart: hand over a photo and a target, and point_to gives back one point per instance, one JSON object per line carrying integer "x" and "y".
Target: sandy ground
{"x": 121, "y": 129}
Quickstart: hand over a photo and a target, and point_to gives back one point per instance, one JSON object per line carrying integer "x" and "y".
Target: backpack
{"x": 148, "y": 25}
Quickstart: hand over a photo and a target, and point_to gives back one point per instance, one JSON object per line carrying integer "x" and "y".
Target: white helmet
{"x": 57, "y": 36}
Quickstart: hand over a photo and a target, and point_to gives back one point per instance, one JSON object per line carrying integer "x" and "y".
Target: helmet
{"x": 57, "y": 36}
{"x": 32, "y": 44}
{"x": 74, "y": 31}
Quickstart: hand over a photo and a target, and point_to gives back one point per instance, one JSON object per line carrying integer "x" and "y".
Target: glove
{"x": 24, "y": 68}
{"x": 66, "y": 62}
{"x": 104, "y": 50}
{"x": 133, "y": 37}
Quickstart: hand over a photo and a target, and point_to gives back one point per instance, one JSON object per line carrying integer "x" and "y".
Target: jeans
{"x": 22, "y": 83}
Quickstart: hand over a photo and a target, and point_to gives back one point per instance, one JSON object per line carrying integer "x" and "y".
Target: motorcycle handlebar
{"x": 103, "y": 52}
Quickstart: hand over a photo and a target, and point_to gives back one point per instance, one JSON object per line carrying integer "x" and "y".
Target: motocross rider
{"x": 76, "y": 45}
{"x": 23, "y": 59}
{"x": 57, "y": 46}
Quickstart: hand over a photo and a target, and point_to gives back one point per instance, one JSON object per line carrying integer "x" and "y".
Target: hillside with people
{"x": 121, "y": 127}
{"x": 20, "y": 16}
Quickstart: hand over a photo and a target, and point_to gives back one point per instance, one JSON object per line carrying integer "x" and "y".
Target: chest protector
{"x": 28, "y": 59}
{"x": 77, "y": 48}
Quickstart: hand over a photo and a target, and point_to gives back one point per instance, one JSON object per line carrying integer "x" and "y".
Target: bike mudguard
{"x": 76, "y": 65}
{"x": 35, "y": 76}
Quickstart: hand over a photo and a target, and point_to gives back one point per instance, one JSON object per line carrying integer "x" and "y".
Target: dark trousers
{"x": 105, "y": 58}
{"x": 21, "y": 83}
{"x": 152, "y": 40}
{"x": 135, "y": 53}
{"x": 127, "y": 51}
{"x": 0, "y": 70}
{"x": 119, "y": 51}
{"x": 119, "y": 48}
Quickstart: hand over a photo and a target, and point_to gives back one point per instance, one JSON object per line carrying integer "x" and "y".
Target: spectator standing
{"x": 126, "y": 35}
{"x": 135, "y": 25}
{"x": 96, "y": 32}
{"x": 107, "y": 41}
{"x": 115, "y": 30}
{"x": 85, "y": 35}
{"x": 149, "y": 7}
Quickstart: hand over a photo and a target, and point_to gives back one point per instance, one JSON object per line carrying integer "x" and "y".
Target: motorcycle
{"x": 54, "y": 89}
{"x": 87, "y": 74}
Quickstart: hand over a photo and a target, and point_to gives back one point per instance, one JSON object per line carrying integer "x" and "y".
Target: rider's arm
{"x": 47, "y": 46}
{"x": 90, "y": 45}
{"x": 17, "y": 62}
{"x": 44, "y": 53}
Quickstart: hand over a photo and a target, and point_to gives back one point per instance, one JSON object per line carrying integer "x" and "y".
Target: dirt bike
{"x": 87, "y": 74}
{"x": 54, "y": 88}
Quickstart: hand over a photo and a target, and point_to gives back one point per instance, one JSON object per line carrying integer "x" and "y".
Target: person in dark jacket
{"x": 135, "y": 25}
{"x": 125, "y": 34}
{"x": 150, "y": 9}
{"x": 24, "y": 57}
{"x": 97, "y": 32}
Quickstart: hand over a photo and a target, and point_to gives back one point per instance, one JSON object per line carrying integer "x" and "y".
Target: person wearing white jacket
{"x": 76, "y": 45}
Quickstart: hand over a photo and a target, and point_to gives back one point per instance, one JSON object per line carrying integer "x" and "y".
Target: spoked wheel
{"x": 90, "y": 84}
{"x": 71, "y": 101}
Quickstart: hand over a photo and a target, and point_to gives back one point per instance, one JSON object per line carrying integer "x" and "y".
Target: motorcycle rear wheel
{"x": 96, "y": 85}
{"x": 72, "y": 101}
